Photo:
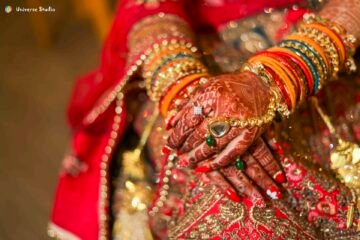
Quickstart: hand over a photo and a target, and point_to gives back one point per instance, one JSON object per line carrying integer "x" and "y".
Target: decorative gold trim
{"x": 110, "y": 97}
{"x": 56, "y": 232}
{"x": 104, "y": 165}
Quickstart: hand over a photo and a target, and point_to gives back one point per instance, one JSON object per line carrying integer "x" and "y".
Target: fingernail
{"x": 274, "y": 193}
{"x": 280, "y": 151}
{"x": 280, "y": 177}
{"x": 178, "y": 153}
{"x": 232, "y": 195}
{"x": 165, "y": 150}
{"x": 203, "y": 169}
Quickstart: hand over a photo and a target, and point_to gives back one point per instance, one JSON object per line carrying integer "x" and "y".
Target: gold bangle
{"x": 328, "y": 46}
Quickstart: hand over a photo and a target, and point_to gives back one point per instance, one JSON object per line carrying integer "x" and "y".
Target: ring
{"x": 219, "y": 127}
{"x": 197, "y": 110}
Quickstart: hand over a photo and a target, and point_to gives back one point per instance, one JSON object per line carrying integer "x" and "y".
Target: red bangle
{"x": 292, "y": 76}
{"x": 303, "y": 67}
{"x": 279, "y": 83}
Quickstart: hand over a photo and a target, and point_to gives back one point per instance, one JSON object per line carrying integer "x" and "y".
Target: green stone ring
{"x": 240, "y": 164}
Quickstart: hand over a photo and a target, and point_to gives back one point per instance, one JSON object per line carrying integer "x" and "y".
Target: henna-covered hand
{"x": 232, "y": 95}
{"x": 257, "y": 179}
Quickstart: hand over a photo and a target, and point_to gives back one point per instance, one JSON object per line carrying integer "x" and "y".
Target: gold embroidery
{"x": 210, "y": 197}
{"x": 266, "y": 217}
{"x": 211, "y": 225}
{"x": 215, "y": 224}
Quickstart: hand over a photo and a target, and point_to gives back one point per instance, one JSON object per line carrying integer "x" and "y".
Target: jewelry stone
{"x": 240, "y": 164}
{"x": 210, "y": 140}
{"x": 197, "y": 110}
{"x": 219, "y": 129}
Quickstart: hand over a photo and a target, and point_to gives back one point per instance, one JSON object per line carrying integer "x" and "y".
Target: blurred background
{"x": 40, "y": 56}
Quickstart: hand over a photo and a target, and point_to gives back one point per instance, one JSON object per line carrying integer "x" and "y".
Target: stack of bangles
{"x": 303, "y": 61}
{"x": 170, "y": 62}
{"x": 171, "y": 72}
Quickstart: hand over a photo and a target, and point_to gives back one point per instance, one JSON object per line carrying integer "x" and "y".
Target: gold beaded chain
{"x": 165, "y": 187}
{"x": 220, "y": 126}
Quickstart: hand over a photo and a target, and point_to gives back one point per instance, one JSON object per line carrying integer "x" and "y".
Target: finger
{"x": 258, "y": 175}
{"x": 184, "y": 108}
{"x": 195, "y": 138}
{"x": 217, "y": 179}
{"x": 188, "y": 121}
{"x": 241, "y": 183}
{"x": 204, "y": 151}
{"x": 263, "y": 155}
{"x": 235, "y": 148}
{"x": 175, "y": 119}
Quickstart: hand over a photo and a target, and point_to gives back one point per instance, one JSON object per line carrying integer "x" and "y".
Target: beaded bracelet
{"x": 168, "y": 63}
{"x": 172, "y": 73}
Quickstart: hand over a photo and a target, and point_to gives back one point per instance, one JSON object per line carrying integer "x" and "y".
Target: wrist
{"x": 179, "y": 92}
{"x": 160, "y": 74}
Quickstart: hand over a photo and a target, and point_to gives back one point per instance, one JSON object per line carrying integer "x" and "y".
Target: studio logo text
{"x": 39, "y": 9}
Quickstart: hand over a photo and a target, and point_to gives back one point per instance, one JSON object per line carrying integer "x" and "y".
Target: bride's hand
{"x": 239, "y": 96}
